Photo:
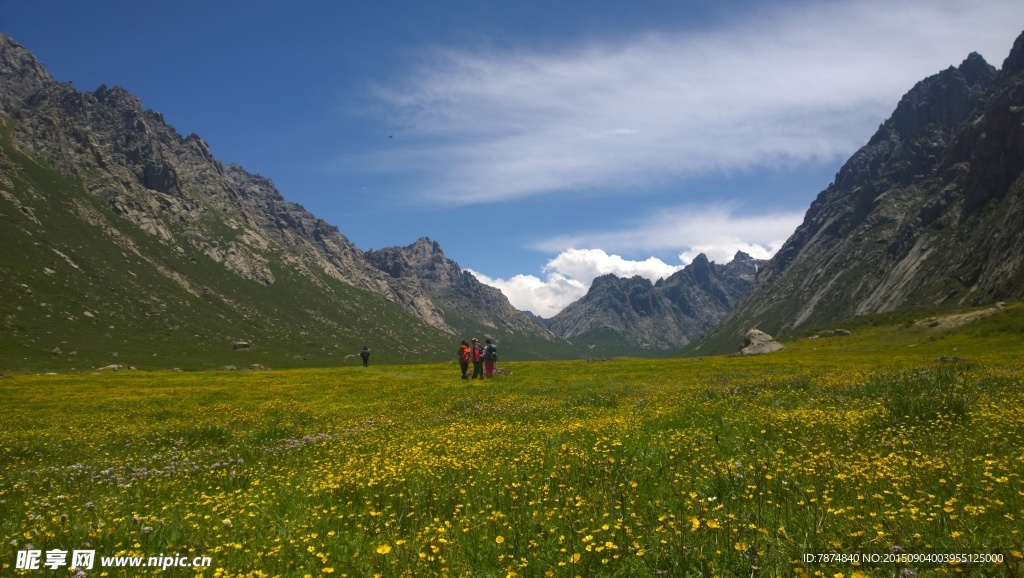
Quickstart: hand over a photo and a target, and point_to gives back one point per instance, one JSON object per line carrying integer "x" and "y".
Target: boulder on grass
{"x": 757, "y": 342}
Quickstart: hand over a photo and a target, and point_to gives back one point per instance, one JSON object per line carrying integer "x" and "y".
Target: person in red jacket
{"x": 478, "y": 359}
{"x": 464, "y": 355}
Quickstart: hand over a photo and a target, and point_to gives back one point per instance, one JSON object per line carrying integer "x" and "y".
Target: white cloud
{"x": 568, "y": 276}
{"x": 543, "y": 297}
{"x": 785, "y": 84}
{"x": 587, "y": 264}
{"x": 715, "y": 231}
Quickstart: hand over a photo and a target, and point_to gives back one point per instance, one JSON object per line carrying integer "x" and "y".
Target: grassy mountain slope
{"x": 83, "y": 288}
{"x": 940, "y": 330}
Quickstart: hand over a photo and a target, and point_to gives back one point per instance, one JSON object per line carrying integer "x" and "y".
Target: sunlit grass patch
{"x": 924, "y": 395}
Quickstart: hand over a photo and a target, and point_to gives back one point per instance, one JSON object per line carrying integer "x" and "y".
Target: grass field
{"x": 857, "y": 446}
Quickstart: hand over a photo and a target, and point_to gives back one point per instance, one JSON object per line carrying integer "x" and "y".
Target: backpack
{"x": 492, "y": 353}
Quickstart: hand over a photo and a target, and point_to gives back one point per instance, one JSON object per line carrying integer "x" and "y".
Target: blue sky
{"x": 541, "y": 143}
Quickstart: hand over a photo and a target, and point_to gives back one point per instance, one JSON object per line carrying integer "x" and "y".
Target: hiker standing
{"x": 478, "y": 359}
{"x": 464, "y": 355}
{"x": 490, "y": 357}
{"x": 365, "y": 354}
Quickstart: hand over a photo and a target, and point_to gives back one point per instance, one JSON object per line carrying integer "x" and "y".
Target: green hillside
{"x": 911, "y": 326}
{"x": 80, "y": 287}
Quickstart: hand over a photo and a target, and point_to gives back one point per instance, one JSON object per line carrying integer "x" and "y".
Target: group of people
{"x": 482, "y": 357}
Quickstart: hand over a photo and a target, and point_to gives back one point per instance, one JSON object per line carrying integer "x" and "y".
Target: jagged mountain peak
{"x": 940, "y": 101}
{"x": 427, "y": 250}
{"x": 117, "y": 96}
{"x": 1014, "y": 62}
{"x": 424, "y": 259}
{"x": 425, "y": 244}
{"x": 606, "y": 278}
{"x": 17, "y": 62}
{"x": 701, "y": 262}
{"x": 976, "y": 70}
{"x": 612, "y": 280}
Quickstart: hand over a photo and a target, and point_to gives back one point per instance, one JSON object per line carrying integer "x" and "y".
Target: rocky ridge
{"x": 661, "y": 316}
{"x": 929, "y": 211}
{"x": 171, "y": 186}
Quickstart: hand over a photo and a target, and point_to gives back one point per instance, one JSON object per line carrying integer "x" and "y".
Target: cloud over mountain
{"x": 716, "y": 231}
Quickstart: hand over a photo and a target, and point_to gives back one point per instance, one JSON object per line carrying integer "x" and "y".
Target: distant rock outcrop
{"x": 928, "y": 212}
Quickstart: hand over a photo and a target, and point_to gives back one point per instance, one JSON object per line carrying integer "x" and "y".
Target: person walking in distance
{"x": 478, "y": 359}
{"x": 365, "y": 354}
{"x": 490, "y": 357}
{"x": 464, "y": 356}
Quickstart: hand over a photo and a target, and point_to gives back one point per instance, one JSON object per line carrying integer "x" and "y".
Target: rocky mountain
{"x": 469, "y": 306}
{"x": 929, "y": 211}
{"x": 636, "y": 315}
{"x": 123, "y": 237}
{"x": 169, "y": 186}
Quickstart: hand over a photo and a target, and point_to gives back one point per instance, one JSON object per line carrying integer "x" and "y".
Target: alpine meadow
{"x": 899, "y": 438}
{"x": 202, "y": 378}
